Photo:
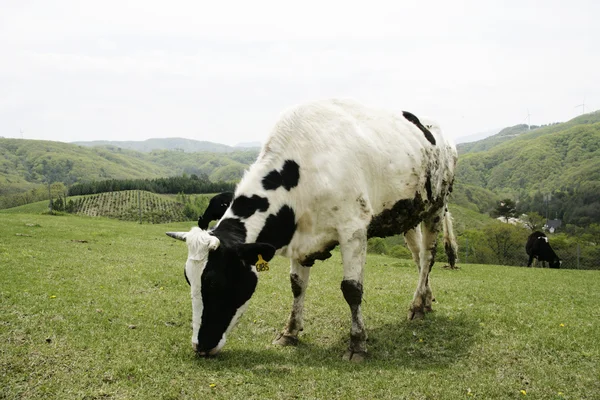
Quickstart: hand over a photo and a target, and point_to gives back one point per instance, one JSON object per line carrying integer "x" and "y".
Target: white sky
{"x": 222, "y": 71}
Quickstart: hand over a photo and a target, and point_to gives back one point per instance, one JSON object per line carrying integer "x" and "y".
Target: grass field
{"x": 92, "y": 308}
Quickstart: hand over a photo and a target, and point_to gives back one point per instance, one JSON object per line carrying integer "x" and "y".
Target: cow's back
{"x": 354, "y": 162}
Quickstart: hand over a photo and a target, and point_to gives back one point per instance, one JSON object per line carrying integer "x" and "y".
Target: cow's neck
{"x": 231, "y": 231}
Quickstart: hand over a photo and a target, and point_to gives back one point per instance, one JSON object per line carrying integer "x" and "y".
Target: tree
{"x": 506, "y": 209}
{"x": 534, "y": 221}
{"x": 507, "y": 243}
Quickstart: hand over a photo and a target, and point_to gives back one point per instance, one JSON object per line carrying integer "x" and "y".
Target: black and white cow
{"x": 331, "y": 173}
{"x": 216, "y": 208}
{"x": 538, "y": 247}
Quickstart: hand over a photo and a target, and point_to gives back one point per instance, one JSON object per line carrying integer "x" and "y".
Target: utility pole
{"x": 528, "y": 119}
{"x": 139, "y": 205}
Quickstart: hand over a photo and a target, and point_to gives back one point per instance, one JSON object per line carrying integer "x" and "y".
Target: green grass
{"x": 32, "y": 208}
{"x": 92, "y": 308}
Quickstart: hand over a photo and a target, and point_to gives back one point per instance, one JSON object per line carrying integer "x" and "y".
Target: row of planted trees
{"x": 188, "y": 184}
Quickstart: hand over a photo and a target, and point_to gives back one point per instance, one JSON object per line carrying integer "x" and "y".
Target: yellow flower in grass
{"x": 53, "y": 297}
{"x": 212, "y": 385}
{"x": 562, "y": 325}
{"x": 523, "y": 392}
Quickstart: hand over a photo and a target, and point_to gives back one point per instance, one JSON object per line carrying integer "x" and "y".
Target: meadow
{"x": 92, "y": 308}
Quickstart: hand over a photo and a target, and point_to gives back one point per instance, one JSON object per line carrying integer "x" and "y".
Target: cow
{"x": 216, "y": 208}
{"x": 538, "y": 248}
{"x": 332, "y": 172}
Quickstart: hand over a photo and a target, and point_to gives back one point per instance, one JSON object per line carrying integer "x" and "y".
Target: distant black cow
{"x": 216, "y": 208}
{"x": 539, "y": 248}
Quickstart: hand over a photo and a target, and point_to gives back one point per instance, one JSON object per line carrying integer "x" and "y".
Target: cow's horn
{"x": 177, "y": 235}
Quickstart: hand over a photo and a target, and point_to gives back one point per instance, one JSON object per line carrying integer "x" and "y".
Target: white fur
{"x": 199, "y": 243}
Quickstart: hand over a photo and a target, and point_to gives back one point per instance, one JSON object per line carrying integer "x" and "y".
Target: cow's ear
{"x": 249, "y": 252}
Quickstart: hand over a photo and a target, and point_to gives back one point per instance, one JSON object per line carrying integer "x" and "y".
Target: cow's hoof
{"x": 416, "y": 313}
{"x": 355, "y": 356}
{"x": 285, "y": 340}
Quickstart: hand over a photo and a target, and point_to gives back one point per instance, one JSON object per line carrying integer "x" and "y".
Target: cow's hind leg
{"x": 423, "y": 297}
{"x": 354, "y": 253}
{"x": 414, "y": 242}
{"x": 299, "y": 279}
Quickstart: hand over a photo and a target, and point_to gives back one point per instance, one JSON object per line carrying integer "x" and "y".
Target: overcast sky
{"x": 222, "y": 71}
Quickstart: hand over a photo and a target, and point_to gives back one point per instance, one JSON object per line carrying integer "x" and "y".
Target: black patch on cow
{"x": 288, "y": 177}
{"x": 403, "y": 216}
{"x": 272, "y": 180}
{"x": 230, "y": 230}
{"x": 324, "y": 254}
{"x": 296, "y": 285}
{"x": 186, "y": 278}
{"x": 279, "y": 228}
{"x": 216, "y": 208}
{"x": 245, "y": 207}
{"x": 353, "y": 291}
{"x": 290, "y": 174}
{"x": 428, "y": 187}
{"x": 412, "y": 118}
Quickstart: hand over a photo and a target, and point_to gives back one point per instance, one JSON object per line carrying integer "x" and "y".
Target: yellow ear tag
{"x": 261, "y": 265}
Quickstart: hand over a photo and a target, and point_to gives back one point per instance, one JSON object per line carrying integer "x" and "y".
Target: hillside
{"x": 557, "y": 158}
{"x": 504, "y": 135}
{"x": 176, "y": 144}
{"x": 27, "y": 164}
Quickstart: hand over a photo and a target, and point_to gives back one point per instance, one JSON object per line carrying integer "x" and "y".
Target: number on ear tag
{"x": 261, "y": 265}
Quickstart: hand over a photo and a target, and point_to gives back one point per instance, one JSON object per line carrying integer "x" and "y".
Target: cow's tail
{"x": 450, "y": 245}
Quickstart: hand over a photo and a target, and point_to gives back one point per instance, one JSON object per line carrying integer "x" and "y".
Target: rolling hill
{"x": 176, "y": 144}
{"x": 27, "y": 164}
{"x": 560, "y": 159}
{"x": 487, "y": 143}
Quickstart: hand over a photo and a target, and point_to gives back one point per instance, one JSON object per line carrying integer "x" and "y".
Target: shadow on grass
{"x": 433, "y": 343}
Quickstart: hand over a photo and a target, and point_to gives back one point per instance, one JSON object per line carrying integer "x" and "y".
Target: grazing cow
{"x": 216, "y": 208}
{"x": 539, "y": 248}
{"x": 331, "y": 173}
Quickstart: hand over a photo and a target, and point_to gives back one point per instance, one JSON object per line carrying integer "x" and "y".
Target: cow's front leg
{"x": 354, "y": 251}
{"x": 299, "y": 280}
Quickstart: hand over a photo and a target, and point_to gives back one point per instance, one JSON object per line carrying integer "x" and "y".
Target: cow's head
{"x": 555, "y": 263}
{"x": 222, "y": 277}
